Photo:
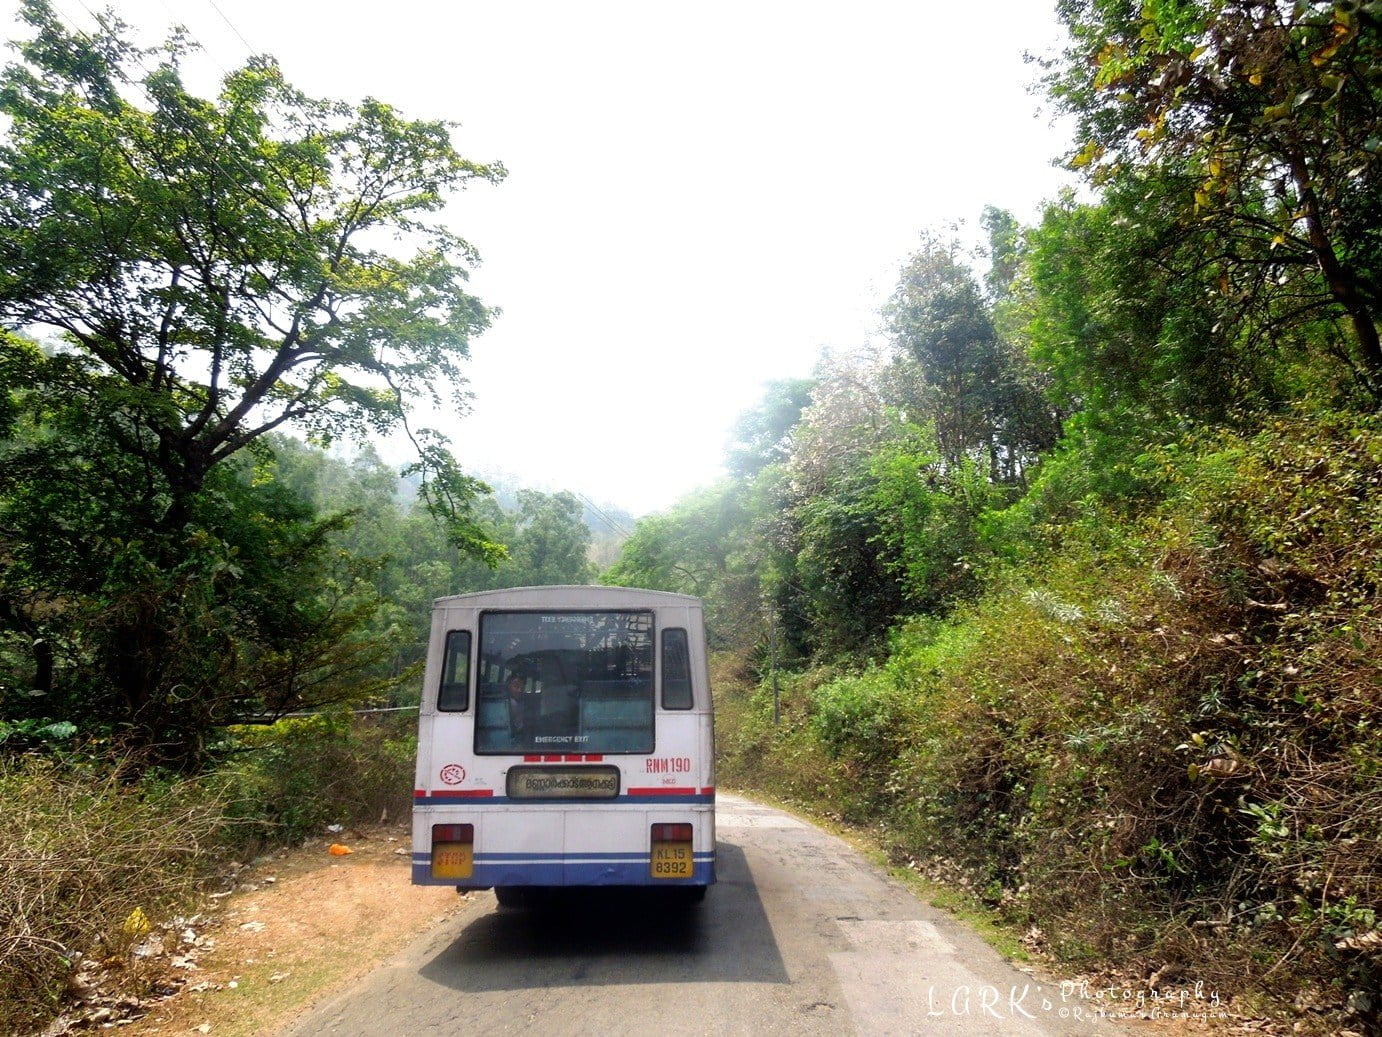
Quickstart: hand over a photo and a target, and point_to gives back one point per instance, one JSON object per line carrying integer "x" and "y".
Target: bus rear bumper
{"x": 571, "y": 870}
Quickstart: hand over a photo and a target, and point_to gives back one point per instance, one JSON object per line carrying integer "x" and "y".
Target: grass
{"x": 88, "y": 863}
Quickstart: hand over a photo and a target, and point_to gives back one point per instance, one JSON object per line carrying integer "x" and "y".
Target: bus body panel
{"x": 578, "y": 842}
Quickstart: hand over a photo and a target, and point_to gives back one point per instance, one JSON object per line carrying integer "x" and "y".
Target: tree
{"x": 847, "y": 417}
{"x": 150, "y": 642}
{"x": 217, "y": 270}
{"x": 706, "y": 546}
{"x": 1004, "y": 251}
{"x": 1266, "y": 117}
{"x": 221, "y": 266}
{"x": 762, "y": 435}
{"x": 552, "y": 542}
{"x": 688, "y": 550}
{"x": 977, "y": 392}
{"x": 829, "y": 571}
{"x": 1142, "y": 358}
{"x": 846, "y": 570}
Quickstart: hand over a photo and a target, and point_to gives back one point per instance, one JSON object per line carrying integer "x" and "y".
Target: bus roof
{"x": 568, "y": 597}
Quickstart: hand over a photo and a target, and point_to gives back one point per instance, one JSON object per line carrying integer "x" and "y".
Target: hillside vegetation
{"x": 1075, "y": 577}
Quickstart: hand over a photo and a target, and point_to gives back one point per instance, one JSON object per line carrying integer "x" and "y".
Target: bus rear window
{"x": 676, "y": 670}
{"x": 567, "y": 682}
{"x": 454, "y": 695}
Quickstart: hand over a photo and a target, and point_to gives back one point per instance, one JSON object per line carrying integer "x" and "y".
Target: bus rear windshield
{"x": 565, "y": 682}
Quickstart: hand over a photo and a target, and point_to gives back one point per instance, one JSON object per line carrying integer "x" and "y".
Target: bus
{"x": 566, "y": 738}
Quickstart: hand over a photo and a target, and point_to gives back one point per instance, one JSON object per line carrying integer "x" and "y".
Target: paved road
{"x": 800, "y": 936}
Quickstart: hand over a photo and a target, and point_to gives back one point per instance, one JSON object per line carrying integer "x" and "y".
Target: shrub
{"x": 80, "y": 853}
{"x": 82, "y": 848}
{"x": 1158, "y": 746}
{"x": 291, "y": 779}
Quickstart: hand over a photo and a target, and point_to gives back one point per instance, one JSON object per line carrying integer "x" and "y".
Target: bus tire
{"x": 510, "y": 896}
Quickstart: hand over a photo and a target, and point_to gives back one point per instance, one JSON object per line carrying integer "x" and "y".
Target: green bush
{"x": 293, "y": 778}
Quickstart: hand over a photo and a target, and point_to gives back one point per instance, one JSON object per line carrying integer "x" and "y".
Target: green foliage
{"x": 1159, "y": 740}
{"x": 152, "y": 637}
{"x": 214, "y": 269}
{"x": 290, "y": 780}
{"x": 1259, "y": 129}
{"x": 1152, "y": 356}
{"x": 214, "y": 264}
{"x": 762, "y": 436}
{"x": 931, "y": 519}
{"x": 407, "y": 558}
{"x": 703, "y": 546}
{"x": 977, "y": 394}
{"x": 864, "y": 723}
{"x": 552, "y": 542}
{"x": 786, "y": 759}
{"x": 851, "y": 591}
{"x": 1114, "y": 518}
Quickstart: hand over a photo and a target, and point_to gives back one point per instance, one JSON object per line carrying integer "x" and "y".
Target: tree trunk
{"x": 1342, "y": 284}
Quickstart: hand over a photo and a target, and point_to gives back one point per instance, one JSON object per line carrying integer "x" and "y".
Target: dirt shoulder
{"x": 300, "y": 925}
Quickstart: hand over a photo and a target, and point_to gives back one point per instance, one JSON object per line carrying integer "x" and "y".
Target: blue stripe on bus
{"x": 559, "y": 873}
{"x": 557, "y": 855}
{"x": 547, "y": 804}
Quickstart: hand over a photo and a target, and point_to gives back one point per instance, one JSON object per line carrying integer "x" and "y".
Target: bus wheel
{"x": 689, "y": 896}
{"x": 510, "y": 896}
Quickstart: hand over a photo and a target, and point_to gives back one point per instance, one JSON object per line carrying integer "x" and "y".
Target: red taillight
{"x": 453, "y": 834}
{"x": 677, "y": 833}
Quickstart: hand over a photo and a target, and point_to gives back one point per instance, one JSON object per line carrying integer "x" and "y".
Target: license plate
{"x": 672, "y": 861}
{"x": 452, "y": 860}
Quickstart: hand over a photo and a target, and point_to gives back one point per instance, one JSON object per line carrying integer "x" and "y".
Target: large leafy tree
{"x": 552, "y": 542}
{"x": 230, "y": 266}
{"x": 689, "y": 549}
{"x": 1266, "y": 119}
{"x": 762, "y": 435}
{"x": 214, "y": 270}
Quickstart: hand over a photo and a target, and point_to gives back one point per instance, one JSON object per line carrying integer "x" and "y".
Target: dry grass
{"x": 85, "y": 862}
{"x": 90, "y": 860}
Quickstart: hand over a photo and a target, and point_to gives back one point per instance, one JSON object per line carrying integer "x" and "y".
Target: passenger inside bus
{"x": 522, "y": 708}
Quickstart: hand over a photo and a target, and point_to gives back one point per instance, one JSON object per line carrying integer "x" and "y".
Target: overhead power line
{"x": 614, "y": 526}
{"x": 217, "y": 8}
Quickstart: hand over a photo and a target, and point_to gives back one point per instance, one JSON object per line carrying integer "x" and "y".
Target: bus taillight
{"x": 677, "y": 833}
{"x": 671, "y": 856}
{"x": 453, "y": 851}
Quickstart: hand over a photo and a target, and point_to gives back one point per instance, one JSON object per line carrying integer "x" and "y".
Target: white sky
{"x": 700, "y": 196}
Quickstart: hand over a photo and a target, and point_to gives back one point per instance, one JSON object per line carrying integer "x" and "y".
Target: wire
{"x": 216, "y": 7}
{"x": 357, "y": 712}
{"x": 614, "y": 526}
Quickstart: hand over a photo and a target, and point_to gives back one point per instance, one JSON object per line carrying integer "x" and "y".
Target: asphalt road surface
{"x": 800, "y": 936}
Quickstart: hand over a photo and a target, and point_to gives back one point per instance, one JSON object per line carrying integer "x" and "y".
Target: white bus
{"x": 565, "y": 738}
